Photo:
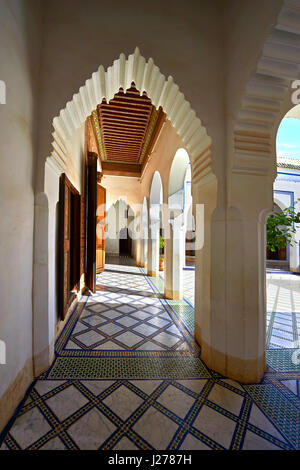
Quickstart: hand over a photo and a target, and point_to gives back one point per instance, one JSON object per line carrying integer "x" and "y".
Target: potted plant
{"x": 161, "y": 253}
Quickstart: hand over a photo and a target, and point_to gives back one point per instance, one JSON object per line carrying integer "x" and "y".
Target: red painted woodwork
{"x": 68, "y": 245}
{"x": 100, "y": 228}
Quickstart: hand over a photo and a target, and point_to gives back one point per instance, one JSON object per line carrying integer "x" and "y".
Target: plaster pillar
{"x": 230, "y": 299}
{"x": 138, "y": 252}
{"x": 144, "y": 250}
{"x": 174, "y": 259}
{"x": 44, "y": 284}
{"x": 295, "y": 248}
{"x": 295, "y": 255}
{"x": 204, "y": 197}
{"x": 153, "y": 248}
{"x": 138, "y": 240}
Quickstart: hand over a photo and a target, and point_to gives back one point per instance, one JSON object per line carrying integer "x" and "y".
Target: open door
{"x": 100, "y": 229}
{"x": 91, "y": 208}
{"x": 68, "y": 245}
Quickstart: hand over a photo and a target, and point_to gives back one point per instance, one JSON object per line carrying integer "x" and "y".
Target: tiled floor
{"x": 128, "y": 375}
{"x": 189, "y": 285}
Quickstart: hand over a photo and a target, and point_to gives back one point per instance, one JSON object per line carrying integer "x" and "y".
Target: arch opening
{"x": 180, "y": 251}
{"x": 283, "y": 260}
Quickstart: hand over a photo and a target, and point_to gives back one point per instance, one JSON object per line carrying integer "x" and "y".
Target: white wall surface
{"x": 282, "y": 189}
{"x": 184, "y": 40}
{"x": 210, "y": 48}
{"x": 20, "y": 42}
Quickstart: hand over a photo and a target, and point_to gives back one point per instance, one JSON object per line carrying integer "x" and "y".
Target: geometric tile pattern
{"x": 189, "y": 285}
{"x": 127, "y": 367}
{"x": 283, "y": 360}
{"x": 283, "y": 307}
{"x": 112, "y": 414}
{"x": 124, "y": 316}
{"x": 182, "y": 309}
{"x": 128, "y": 375}
{"x": 285, "y": 415}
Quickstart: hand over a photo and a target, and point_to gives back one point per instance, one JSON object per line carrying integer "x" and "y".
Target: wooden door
{"x": 100, "y": 229}
{"x": 68, "y": 245}
{"x": 91, "y": 207}
{"x": 124, "y": 242}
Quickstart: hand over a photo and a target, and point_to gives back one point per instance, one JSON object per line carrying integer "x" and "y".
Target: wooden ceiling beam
{"x": 123, "y": 110}
{"x": 121, "y": 148}
{"x": 122, "y": 134}
{"x": 125, "y": 105}
{"x": 121, "y": 143}
{"x": 131, "y": 92}
{"x": 125, "y": 141}
{"x": 119, "y": 126}
{"x": 154, "y": 137}
{"x": 122, "y": 160}
{"x": 121, "y": 169}
{"x": 125, "y": 126}
{"x": 118, "y": 155}
{"x": 125, "y": 115}
{"x": 131, "y": 122}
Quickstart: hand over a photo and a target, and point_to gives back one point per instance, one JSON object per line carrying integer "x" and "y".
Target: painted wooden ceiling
{"x": 126, "y": 129}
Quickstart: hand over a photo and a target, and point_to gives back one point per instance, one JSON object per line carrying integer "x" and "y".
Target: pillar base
{"x": 152, "y": 273}
{"x": 43, "y": 360}
{"x": 246, "y": 371}
{"x": 85, "y": 291}
{"x": 173, "y": 295}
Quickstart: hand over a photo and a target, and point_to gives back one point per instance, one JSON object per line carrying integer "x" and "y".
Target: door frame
{"x": 91, "y": 207}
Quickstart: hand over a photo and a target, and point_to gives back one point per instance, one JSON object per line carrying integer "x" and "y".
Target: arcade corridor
{"x": 127, "y": 375}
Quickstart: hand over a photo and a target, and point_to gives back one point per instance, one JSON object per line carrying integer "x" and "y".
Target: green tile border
{"x": 128, "y": 368}
{"x": 281, "y": 360}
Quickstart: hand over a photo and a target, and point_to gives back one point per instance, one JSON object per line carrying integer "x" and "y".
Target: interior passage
{"x": 128, "y": 375}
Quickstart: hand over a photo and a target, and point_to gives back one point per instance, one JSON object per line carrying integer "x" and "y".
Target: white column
{"x": 136, "y": 235}
{"x": 144, "y": 250}
{"x": 44, "y": 282}
{"x": 230, "y": 301}
{"x": 153, "y": 249}
{"x": 295, "y": 254}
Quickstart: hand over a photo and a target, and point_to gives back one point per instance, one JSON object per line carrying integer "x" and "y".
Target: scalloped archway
{"x": 69, "y": 128}
{"x": 162, "y": 92}
{"x": 265, "y": 99}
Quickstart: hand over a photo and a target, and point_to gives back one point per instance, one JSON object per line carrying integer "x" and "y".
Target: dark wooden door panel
{"x": 91, "y": 207}
{"x": 100, "y": 228}
{"x": 68, "y": 245}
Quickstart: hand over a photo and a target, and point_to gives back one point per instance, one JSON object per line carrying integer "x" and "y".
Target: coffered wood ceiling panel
{"x": 126, "y": 130}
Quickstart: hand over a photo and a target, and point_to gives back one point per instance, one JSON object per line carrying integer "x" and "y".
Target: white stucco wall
{"x": 120, "y": 191}
{"x": 286, "y": 194}
{"x": 19, "y": 58}
{"x": 115, "y": 221}
{"x": 184, "y": 41}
